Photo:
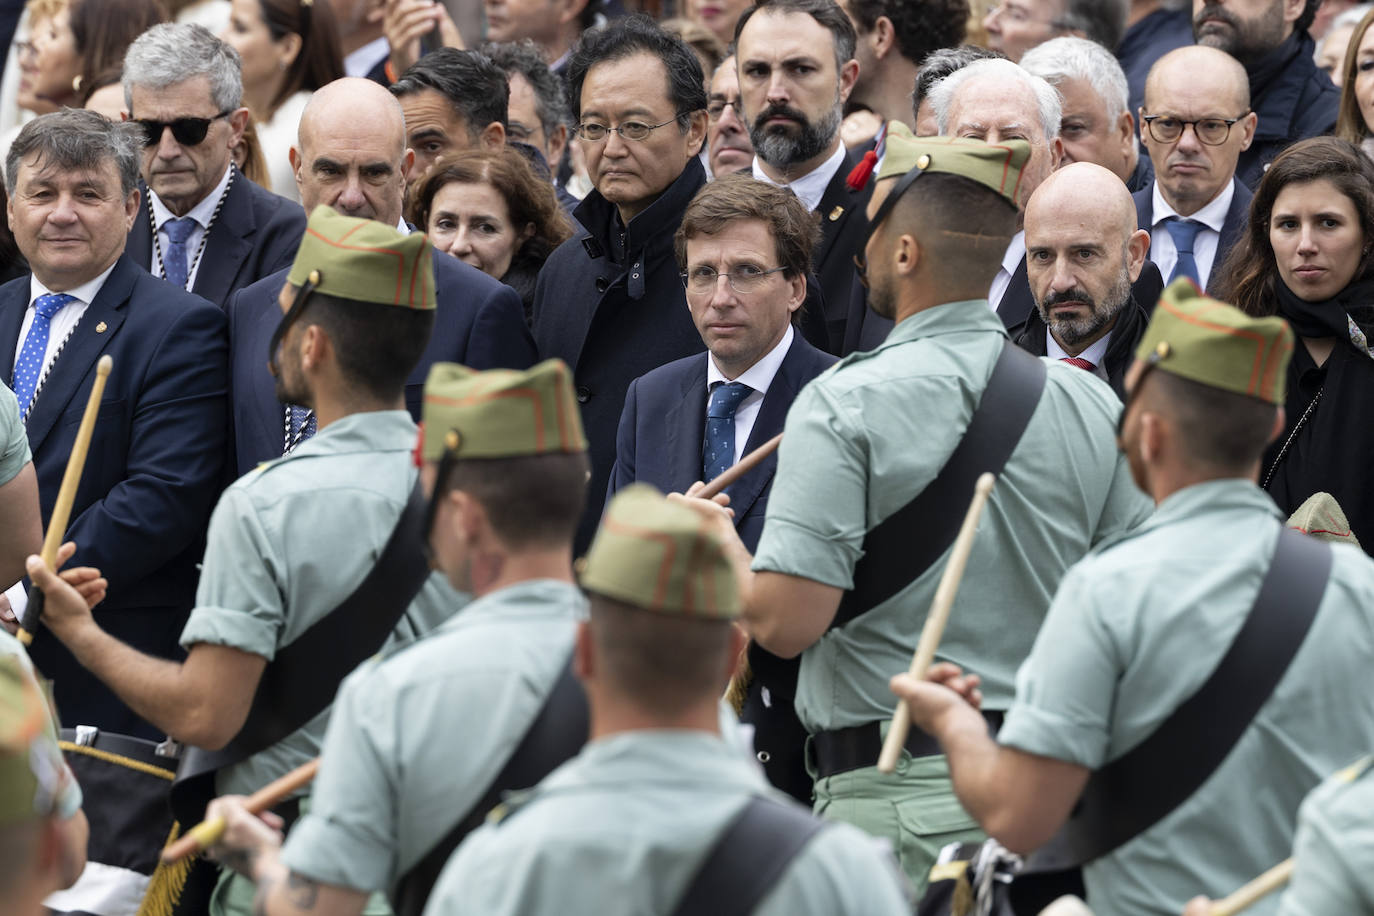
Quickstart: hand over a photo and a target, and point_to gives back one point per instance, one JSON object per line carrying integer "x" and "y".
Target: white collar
{"x": 361, "y": 61}
{"x": 201, "y": 212}
{"x": 758, "y": 376}
{"x": 1213, "y": 215}
{"x": 809, "y": 188}
{"x": 86, "y": 292}
{"x": 1094, "y": 354}
{"x": 1015, "y": 253}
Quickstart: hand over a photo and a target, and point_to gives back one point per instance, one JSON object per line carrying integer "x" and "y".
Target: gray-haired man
{"x": 183, "y": 86}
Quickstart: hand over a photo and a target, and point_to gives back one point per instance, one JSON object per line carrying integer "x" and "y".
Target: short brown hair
{"x": 731, "y": 198}
{"x": 531, "y": 500}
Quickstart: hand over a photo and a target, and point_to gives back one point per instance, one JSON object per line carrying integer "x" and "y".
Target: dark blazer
{"x": 1237, "y": 215}
{"x": 1293, "y": 99}
{"x": 153, "y": 471}
{"x": 843, "y": 224}
{"x": 255, "y": 234}
{"x": 663, "y": 427}
{"x": 477, "y": 322}
{"x": 1018, "y": 305}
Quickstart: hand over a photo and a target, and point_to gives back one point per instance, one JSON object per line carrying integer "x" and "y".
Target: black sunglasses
{"x": 186, "y": 131}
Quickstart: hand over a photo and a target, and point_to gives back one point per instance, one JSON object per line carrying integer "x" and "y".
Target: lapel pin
{"x": 836, "y": 213}
{"x": 100, "y": 328}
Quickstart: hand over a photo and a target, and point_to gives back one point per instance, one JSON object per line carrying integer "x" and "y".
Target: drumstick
{"x": 740, "y": 468}
{"x": 1251, "y": 892}
{"x": 66, "y": 494}
{"x": 936, "y": 619}
{"x": 208, "y": 832}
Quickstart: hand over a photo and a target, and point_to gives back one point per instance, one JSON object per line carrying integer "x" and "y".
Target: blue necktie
{"x": 30, "y": 364}
{"x": 719, "y": 449}
{"x": 1183, "y": 232}
{"x": 174, "y": 263}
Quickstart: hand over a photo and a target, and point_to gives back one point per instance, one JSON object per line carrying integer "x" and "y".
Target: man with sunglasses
{"x": 291, "y": 543}
{"x": 1195, "y": 123}
{"x": 203, "y": 226}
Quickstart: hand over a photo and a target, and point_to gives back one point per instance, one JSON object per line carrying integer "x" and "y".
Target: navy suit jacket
{"x": 152, "y": 474}
{"x": 255, "y": 234}
{"x": 663, "y": 428}
{"x": 478, "y": 322}
{"x": 1237, "y": 216}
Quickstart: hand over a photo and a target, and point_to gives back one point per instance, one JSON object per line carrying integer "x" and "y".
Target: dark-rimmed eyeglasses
{"x": 717, "y": 107}
{"x": 630, "y": 130}
{"x": 186, "y": 131}
{"x": 743, "y": 278}
{"x": 1210, "y": 131}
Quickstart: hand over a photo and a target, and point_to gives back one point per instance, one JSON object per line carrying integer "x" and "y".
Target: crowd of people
{"x": 437, "y": 470}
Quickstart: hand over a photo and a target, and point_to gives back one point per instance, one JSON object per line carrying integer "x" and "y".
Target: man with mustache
{"x": 1083, "y": 252}
{"x": 1293, "y": 99}
{"x": 1196, "y": 123}
{"x": 796, "y": 69}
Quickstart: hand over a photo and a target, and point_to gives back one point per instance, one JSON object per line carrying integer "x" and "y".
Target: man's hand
{"x": 407, "y": 21}
{"x": 7, "y": 618}
{"x": 1198, "y": 906}
{"x": 246, "y": 836}
{"x": 69, "y": 596}
{"x": 945, "y": 691}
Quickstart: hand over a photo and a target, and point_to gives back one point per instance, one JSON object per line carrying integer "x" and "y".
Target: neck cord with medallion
{"x": 159, "y": 269}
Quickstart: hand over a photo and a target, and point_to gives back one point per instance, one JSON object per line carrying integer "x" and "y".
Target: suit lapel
{"x": 1016, "y": 302}
{"x": 228, "y": 245}
{"x": 835, "y": 209}
{"x": 72, "y": 371}
{"x": 12, "y": 308}
{"x": 686, "y": 425}
{"x": 1237, "y": 216}
{"x": 140, "y": 242}
{"x": 772, "y": 416}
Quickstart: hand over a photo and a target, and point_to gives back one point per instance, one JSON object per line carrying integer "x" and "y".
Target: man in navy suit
{"x": 351, "y": 156}
{"x": 746, "y": 248}
{"x": 157, "y": 456}
{"x": 216, "y": 231}
{"x": 1195, "y": 123}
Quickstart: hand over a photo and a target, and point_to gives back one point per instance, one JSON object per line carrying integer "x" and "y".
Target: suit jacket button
{"x": 602, "y": 284}
{"x": 583, "y": 394}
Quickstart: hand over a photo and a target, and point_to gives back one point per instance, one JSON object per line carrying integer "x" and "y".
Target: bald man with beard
{"x": 1083, "y": 252}
{"x": 351, "y": 155}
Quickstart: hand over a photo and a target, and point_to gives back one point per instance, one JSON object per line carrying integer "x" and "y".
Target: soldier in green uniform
{"x": 1137, "y": 628}
{"x": 625, "y": 826}
{"x": 291, "y": 540}
{"x": 868, "y": 438}
{"x": 22, "y": 531}
{"x": 417, "y": 738}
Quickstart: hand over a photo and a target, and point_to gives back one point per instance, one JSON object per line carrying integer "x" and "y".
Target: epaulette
{"x": 512, "y": 803}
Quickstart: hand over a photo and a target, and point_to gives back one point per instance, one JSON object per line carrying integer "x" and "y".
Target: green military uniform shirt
{"x": 1334, "y": 873}
{"x": 14, "y": 441}
{"x": 623, "y": 827}
{"x": 417, "y": 738}
{"x": 291, "y": 540}
{"x": 1136, "y": 629}
{"x": 69, "y": 798}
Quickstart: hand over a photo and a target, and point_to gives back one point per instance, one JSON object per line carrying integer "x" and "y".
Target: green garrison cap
{"x": 500, "y": 413}
{"x": 660, "y": 556}
{"x": 365, "y": 261}
{"x": 31, "y": 767}
{"x": 996, "y": 165}
{"x": 1321, "y": 516}
{"x": 1194, "y": 336}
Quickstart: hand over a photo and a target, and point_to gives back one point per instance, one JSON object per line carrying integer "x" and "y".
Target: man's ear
{"x": 1137, "y": 247}
{"x": 492, "y": 137}
{"x": 407, "y": 164}
{"x": 907, "y": 254}
{"x": 883, "y": 38}
{"x": 696, "y": 133}
{"x": 238, "y": 123}
{"x": 849, "y": 75}
{"x": 1248, "y": 124}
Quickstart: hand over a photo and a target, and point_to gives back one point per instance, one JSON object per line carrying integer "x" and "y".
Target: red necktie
{"x": 1080, "y": 363}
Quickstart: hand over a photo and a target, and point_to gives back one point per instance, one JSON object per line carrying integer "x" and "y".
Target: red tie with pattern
{"x": 1080, "y": 363}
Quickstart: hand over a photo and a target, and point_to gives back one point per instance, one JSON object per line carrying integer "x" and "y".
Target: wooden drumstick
{"x": 66, "y": 494}
{"x": 1253, "y": 891}
{"x": 740, "y": 468}
{"x": 208, "y": 832}
{"x": 935, "y": 621}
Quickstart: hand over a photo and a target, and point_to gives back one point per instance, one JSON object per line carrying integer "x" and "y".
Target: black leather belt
{"x": 846, "y": 749}
{"x": 164, "y": 755}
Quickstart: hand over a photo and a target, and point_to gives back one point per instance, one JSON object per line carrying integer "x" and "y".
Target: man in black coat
{"x": 609, "y": 301}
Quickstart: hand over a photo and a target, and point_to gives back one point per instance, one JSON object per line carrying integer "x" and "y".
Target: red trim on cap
{"x": 665, "y": 567}
{"x": 1257, "y": 364}
{"x": 482, "y": 397}
{"x": 400, "y": 258}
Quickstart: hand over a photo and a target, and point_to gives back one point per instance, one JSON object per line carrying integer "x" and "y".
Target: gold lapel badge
{"x": 836, "y": 213}
{"x": 101, "y": 328}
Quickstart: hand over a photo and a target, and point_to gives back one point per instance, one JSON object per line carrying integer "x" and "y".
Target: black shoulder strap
{"x": 301, "y": 681}
{"x": 908, "y": 542}
{"x": 1143, "y": 786}
{"x": 749, "y": 858}
{"x": 558, "y": 732}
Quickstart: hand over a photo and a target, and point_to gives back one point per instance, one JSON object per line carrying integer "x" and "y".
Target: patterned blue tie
{"x": 1183, "y": 232}
{"x": 719, "y": 449}
{"x": 174, "y": 263}
{"x": 30, "y": 364}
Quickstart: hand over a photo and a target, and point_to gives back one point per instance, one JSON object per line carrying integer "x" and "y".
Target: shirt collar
{"x": 1209, "y": 496}
{"x": 86, "y": 292}
{"x": 361, "y": 61}
{"x": 369, "y": 431}
{"x": 202, "y": 212}
{"x": 809, "y": 188}
{"x": 1094, "y": 354}
{"x": 1015, "y": 253}
{"x": 1213, "y": 215}
{"x": 949, "y": 318}
{"x": 758, "y": 376}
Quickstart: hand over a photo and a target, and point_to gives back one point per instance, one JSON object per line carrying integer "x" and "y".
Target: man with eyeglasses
{"x": 1195, "y": 123}
{"x": 727, "y": 137}
{"x": 608, "y": 301}
{"x": 1016, "y": 26}
{"x": 203, "y": 226}
{"x": 537, "y": 112}
{"x": 745, "y": 251}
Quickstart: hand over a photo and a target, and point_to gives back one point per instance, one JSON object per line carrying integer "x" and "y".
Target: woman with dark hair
{"x": 1306, "y": 255}
{"x": 1355, "y": 120}
{"x": 489, "y": 209}
{"x": 289, "y": 49}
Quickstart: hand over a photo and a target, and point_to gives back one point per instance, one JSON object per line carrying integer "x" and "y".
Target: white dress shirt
{"x": 202, "y": 213}
{"x": 62, "y": 325}
{"x": 1095, "y": 354}
{"x": 758, "y": 377}
{"x": 361, "y": 61}
{"x": 1015, "y": 253}
{"x": 1212, "y": 217}
{"x": 809, "y": 188}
